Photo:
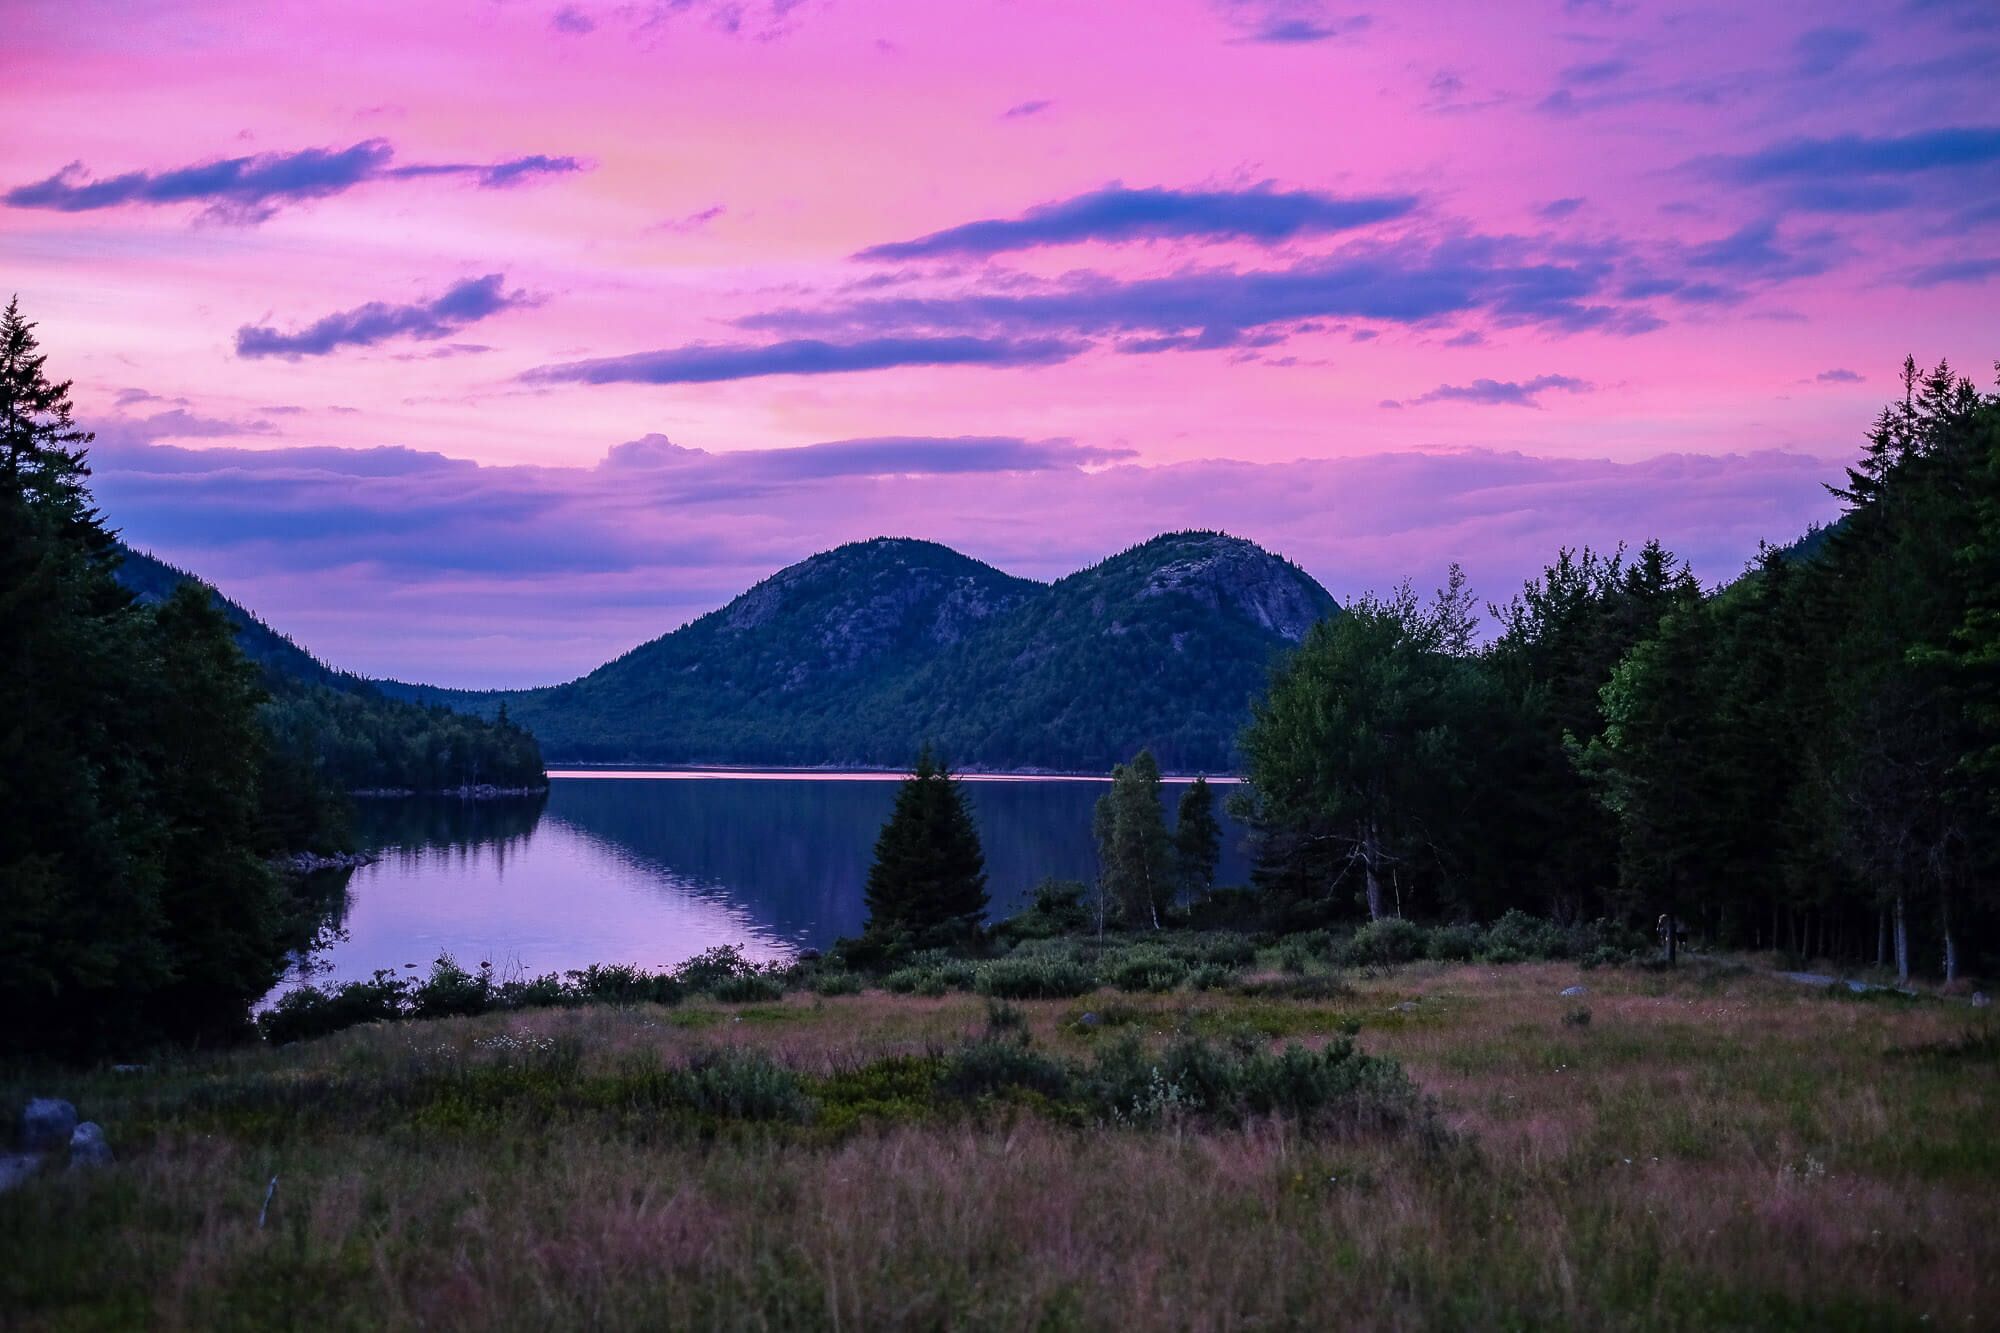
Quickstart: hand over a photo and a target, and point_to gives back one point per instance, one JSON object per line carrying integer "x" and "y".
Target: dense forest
{"x": 337, "y": 731}
{"x": 1807, "y": 760}
{"x": 150, "y": 770}
{"x": 844, "y": 657}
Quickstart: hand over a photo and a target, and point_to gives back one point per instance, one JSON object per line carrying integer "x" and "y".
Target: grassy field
{"x": 1709, "y": 1149}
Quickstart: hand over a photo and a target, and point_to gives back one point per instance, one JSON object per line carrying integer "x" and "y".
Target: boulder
{"x": 88, "y": 1146}
{"x": 1980, "y": 999}
{"x": 1089, "y": 1021}
{"x": 1572, "y": 991}
{"x": 46, "y": 1124}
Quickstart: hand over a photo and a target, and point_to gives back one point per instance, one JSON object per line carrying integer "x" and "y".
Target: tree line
{"x": 1806, "y": 760}
{"x": 150, "y": 771}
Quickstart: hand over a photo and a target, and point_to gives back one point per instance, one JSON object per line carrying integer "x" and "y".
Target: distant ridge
{"x": 856, "y": 655}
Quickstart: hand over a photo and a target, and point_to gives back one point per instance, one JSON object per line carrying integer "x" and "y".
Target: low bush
{"x": 838, "y": 982}
{"x": 755, "y": 988}
{"x": 1144, "y": 969}
{"x": 741, "y": 1085}
{"x": 1452, "y": 944}
{"x": 1032, "y": 978}
{"x": 1211, "y": 976}
{"x": 1388, "y": 941}
{"x": 452, "y": 992}
{"x": 308, "y": 1012}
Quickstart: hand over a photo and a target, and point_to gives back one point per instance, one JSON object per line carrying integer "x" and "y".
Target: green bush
{"x": 742, "y": 1085}
{"x": 1390, "y": 940}
{"x": 451, "y": 991}
{"x": 1034, "y": 979}
{"x": 1516, "y": 937}
{"x": 1144, "y": 969}
{"x": 993, "y": 1065}
{"x": 1452, "y": 944}
{"x": 755, "y": 988}
{"x": 308, "y": 1012}
{"x": 1211, "y": 976}
{"x": 840, "y": 982}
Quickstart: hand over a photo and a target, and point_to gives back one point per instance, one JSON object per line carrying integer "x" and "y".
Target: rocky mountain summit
{"x": 857, "y": 655}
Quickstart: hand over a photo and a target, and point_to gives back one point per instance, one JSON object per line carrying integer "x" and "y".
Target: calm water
{"x": 653, "y": 869}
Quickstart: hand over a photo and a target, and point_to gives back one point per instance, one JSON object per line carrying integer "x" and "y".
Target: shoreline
{"x": 839, "y": 773}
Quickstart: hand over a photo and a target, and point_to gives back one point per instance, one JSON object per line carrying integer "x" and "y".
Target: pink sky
{"x": 1378, "y": 289}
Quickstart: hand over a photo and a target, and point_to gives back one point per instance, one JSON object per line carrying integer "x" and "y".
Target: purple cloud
{"x": 1838, "y": 377}
{"x": 1509, "y": 393}
{"x": 460, "y": 304}
{"x": 1115, "y": 214}
{"x": 250, "y": 189}
{"x": 711, "y": 363}
{"x": 1022, "y": 110}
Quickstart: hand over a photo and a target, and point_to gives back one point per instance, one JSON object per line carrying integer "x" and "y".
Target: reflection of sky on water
{"x": 633, "y": 870}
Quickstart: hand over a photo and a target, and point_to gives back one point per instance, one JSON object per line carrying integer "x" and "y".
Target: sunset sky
{"x": 477, "y": 342}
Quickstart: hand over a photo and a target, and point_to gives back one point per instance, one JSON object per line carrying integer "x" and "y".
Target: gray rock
{"x": 128, "y": 1069}
{"x": 46, "y": 1124}
{"x": 1575, "y": 990}
{"x": 1980, "y": 999}
{"x": 88, "y": 1146}
{"x": 16, "y": 1167}
{"x": 1089, "y": 1021}
{"x": 1859, "y": 987}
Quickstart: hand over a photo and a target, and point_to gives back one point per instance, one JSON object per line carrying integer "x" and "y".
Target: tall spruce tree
{"x": 132, "y": 906}
{"x": 1197, "y": 840}
{"x": 928, "y": 883}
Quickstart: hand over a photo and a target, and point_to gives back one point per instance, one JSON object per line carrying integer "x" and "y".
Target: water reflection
{"x": 630, "y": 870}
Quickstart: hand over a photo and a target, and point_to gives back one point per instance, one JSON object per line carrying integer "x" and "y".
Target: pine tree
{"x": 1134, "y": 853}
{"x": 1197, "y": 840}
{"x": 928, "y": 882}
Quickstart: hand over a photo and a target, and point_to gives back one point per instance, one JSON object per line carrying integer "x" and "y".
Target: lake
{"x": 652, "y": 868}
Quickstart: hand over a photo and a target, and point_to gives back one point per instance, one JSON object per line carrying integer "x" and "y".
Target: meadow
{"x": 1444, "y": 1145}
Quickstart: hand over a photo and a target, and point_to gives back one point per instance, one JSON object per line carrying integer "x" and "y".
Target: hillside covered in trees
{"x": 1807, "y": 760}
{"x": 338, "y": 731}
{"x": 851, "y": 656}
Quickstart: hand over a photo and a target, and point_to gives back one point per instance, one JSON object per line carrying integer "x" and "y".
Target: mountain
{"x": 332, "y": 731}
{"x": 857, "y": 655}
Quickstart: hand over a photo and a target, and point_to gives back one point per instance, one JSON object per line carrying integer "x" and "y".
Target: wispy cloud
{"x": 1953, "y": 271}
{"x": 1849, "y": 155}
{"x": 1116, "y": 213}
{"x": 710, "y": 363}
{"x": 1505, "y": 393}
{"x": 460, "y": 304}
{"x": 1022, "y": 110}
{"x": 1289, "y": 22}
{"x": 1837, "y": 376}
{"x": 249, "y": 189}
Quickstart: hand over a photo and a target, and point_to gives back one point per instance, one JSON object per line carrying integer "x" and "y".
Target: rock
{"x": 1859, "y": 987}
{"x": 88, "y": 1146}
{"x": 1089, "y": 1021}
{"x": 1980, "y": 999}
{"x": 1406, "y": 1007}
{"x": 1575, "y": 990}
{"x": 46, "y": 1124}
{"x": 16, "y": 1167}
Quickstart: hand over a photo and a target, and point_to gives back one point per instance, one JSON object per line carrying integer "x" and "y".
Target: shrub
{"x": 743, "y": 1085}
{"x": 840, "y": 982}
{"x": 1058, "y": 908}
{"x": 706, "y": 970}
{"x": 1517, "y": 936}
{"x": 992, "y": 1065}
{"x": 622, "y": 984}
{"x": 1452, "y": 944}
{"x": 1211, "y": 976}
{"x": 1390, "y": 940}
{"x": 451, "y": 991}
{"x": 1034, "y": 979}
{"x": 309, "y": 1012}
{"x": 1144, "y": 969}
{"x": 757, "y": 987}
{"x": 1577, "y": 1018}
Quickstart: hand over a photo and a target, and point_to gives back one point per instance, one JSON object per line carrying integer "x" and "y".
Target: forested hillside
{"x": 1807, "y": 760}
{"x": 332, "y": 730}
{"x": 856, "y": 655}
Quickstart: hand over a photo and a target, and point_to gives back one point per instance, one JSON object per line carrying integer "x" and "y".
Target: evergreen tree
{"x": 1134, "y": 853}
{"x": 928, "y": 882}
{"x": 1197, "y": 840}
